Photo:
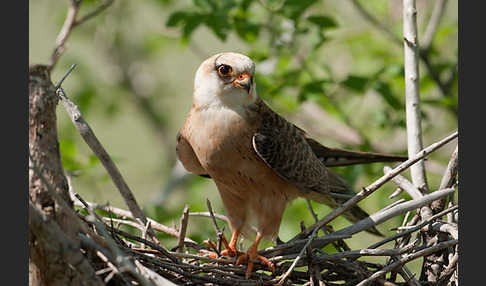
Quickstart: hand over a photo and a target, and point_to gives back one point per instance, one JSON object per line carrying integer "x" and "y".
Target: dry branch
{"x": 92, "y": 141}
{"x": 374, "y": 186}
{"x": 384, "y": 215}
{"x": 407, "y": 259}
{"x": 412, "y": 93}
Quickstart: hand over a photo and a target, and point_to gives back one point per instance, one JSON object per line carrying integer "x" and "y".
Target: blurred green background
{"x": 321, "y": 64}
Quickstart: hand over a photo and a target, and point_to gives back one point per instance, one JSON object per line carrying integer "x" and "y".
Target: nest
{"x": 129, "y": 259}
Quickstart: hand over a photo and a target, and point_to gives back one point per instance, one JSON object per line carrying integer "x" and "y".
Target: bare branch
{"x": 404, "y": 184}
{"x": 68, "y": 26}
{"x": 375, "y": 185}
{"x": 92, "y": 141}
{"x": 124, "y": 213}
{"x": 412, "y": 93}
{"x": 433, "y": 24}
{"x": 183, "y": 228}
{"x": 414, "y": 228}
{"x": 408, "y": 258}
{"x": 384, "y": 215}
{"x": 448, "y": 180}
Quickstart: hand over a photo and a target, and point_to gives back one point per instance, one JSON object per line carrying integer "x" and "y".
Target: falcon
{"x": 258, "y": 160}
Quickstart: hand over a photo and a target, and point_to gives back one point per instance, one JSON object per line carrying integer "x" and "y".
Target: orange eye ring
{"x": 225, "y": 70}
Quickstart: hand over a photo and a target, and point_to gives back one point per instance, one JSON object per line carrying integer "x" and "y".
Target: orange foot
{"x": 252, "y": 255}
{"x": 243, "y": 258}
{"x": 230, "y": 248}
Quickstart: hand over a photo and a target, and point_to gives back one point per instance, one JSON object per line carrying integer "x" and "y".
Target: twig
{"x": 183, "y": 228}
{"x": 293, "y": 247}
{"x": 291, "y": 268}
{"x": 375, "y": 185}
{"x": 412, "y": 92}
{"x": 404, "y": 184}
{"x": 162, "y": 250}
{"x": 408, "y": 258}
{"x": 93, "y": 13}
{"x": 448, "y": 180}
{"x": 120, "y": 259}
{"x": 384, "y": 215}
{"x": 375, "y": 22}
{"x": 68, "y": 26}
{"x": 443, "y": 87}
{"x": 216, "y": 227}
{"x": 395, "y": 193}
{"x": 311, "y": 210}
{"x": 124, "y": 213}
{"x": 92, "y": 141}
{"x": 417, "y": 227}
{"x": 433, "y": 24}
{"x": 208, "y": 214}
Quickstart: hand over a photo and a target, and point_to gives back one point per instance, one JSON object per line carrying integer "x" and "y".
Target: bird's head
{"x": 225, "y": 79}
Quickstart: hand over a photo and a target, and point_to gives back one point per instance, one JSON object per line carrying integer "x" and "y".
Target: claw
{"x": 252, "y": 255}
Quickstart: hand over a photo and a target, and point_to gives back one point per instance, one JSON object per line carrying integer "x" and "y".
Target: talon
{"x": 242, "y": 259}
{"x": 253, "y": 255}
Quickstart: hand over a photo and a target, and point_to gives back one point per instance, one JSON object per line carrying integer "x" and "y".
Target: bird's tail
{"x": 337, "y": 187}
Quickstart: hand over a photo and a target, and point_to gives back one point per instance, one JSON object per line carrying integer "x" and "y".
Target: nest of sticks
{"x": 129, "y": 259}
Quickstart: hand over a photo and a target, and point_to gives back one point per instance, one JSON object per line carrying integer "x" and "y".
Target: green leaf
{"x": 323, "y": 22}
{"x": 294, "y": 8}
{"x": 356, "y": 83}
{"x": 245, "y": 29}
{"x": 176, "y": 18}
{"x": 386, "y": 93}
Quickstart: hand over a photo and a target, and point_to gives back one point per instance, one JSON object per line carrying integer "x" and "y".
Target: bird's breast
{"x": 221, "y": 139}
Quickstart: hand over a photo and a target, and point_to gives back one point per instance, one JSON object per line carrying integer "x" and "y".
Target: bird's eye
{"x": 224, "y": 70}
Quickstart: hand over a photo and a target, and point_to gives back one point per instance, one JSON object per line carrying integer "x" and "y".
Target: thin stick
{"x": 433, "y": 24}
{"x": 417, "y": 227}
{"x": 120, "y": 259}
{"x": 93, "y": 13}
{"x": 405, "y": 259}
{"x": 404, "y": 184}
{"x": 448, "y": 180}
{"x": 311, "y": 210}
{"x": 384, "y": 215}
{"x": 216, "y": 227}
{"x": 375, "y": 185}
{"x": 92, "y": 141}
{"x": 183, "y": 228}
{"x": 412, "y": 92}
{"x": 444, "y": 87}
{"x": 291, "y": 268}
{"x": 68, "y": 26}
{"x": 208, "y": 214}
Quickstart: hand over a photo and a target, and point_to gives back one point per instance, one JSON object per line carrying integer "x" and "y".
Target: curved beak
{"x": 244, "y": 81}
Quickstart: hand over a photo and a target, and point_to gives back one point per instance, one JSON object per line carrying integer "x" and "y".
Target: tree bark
{"x": 48, "y": 264}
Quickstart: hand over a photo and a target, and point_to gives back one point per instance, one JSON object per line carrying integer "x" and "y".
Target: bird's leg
{"x": 231, "y": 247}
{"x": 252, "y": 254}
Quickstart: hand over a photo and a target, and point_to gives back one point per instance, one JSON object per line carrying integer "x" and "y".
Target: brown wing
{"x": 284, "y": 148}
{"x": 333, "y": 157}
{"x": 188, "y": 158}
